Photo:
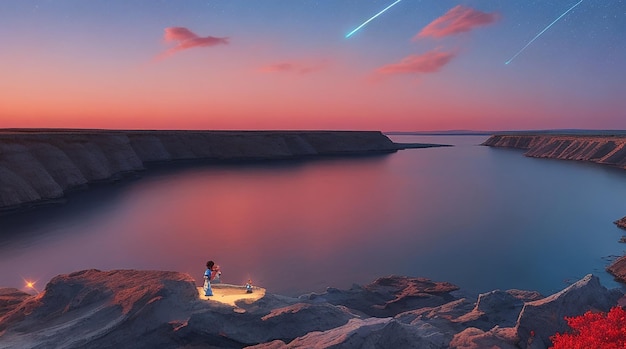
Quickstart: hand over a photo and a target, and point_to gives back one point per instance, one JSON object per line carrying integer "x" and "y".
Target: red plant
{"x": 594, "y": 330}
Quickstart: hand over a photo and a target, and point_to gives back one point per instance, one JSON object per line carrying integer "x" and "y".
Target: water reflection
{"x": 258, "y": 221}
{"x": 479, "y": 217}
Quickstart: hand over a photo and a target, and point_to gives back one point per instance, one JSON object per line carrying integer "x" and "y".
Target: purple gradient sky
{"x": 278, "y": 64}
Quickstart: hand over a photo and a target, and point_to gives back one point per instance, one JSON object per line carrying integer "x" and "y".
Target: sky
{"x": 287, "y": 64}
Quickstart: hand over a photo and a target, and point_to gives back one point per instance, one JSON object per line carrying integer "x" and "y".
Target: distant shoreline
{"x": 571, "y": 132}
{"x": 38, "y": 166}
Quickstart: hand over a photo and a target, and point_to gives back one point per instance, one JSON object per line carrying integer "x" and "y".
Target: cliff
{"x": 157, "y": 309}
{"x": 601, "y": 149}
{"x": 42, "y": 165}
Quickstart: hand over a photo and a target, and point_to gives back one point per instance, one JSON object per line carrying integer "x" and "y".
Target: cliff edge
{"x": 601, "y": 149}
{"x": 41, "y": 165}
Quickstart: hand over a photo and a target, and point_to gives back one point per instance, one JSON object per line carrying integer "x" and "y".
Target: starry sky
{"x": 287, "y": 64}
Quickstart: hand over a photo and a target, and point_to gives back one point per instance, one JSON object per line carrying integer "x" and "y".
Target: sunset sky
{"x": 287, "y": 64}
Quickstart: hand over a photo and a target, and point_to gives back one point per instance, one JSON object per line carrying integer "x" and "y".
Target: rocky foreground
{"x": 156, "y": 309}
{"x": 40, "y": 165}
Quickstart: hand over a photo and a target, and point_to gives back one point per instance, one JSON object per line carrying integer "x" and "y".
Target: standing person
{"x": 208, "y": 276}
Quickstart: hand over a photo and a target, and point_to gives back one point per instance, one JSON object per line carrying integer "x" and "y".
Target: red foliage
{"x": 594, "y": 330}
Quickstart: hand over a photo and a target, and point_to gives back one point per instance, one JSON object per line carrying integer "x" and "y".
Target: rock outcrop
{"x": 601, "y": 149}
{"x": 618, "y": 268}
{"x": 88, "y": 308}
{"x": 388, "y": 296}
{"x": 147, "y": 309}
{"x": 43, "y": 165}
{"x": 542, "y": 318}
{"x": 621, "y": 222}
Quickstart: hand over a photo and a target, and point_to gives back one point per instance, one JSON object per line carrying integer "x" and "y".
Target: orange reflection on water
{"x": 294, "y": 227}
{"x": 252, "y": 220}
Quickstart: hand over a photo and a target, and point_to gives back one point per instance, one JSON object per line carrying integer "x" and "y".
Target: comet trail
{"x": 541, "y": 32}
{"x": 374, "y": 16}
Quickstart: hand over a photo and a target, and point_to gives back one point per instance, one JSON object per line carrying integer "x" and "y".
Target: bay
{"x": 479, "y": 217}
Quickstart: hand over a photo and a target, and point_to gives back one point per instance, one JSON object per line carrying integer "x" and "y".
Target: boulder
{"x": 98, "y": 309}
{"x": 442, "y": 320}
{"x": 474, "y": 338}
{"x": 497, "y": 308}
{"x": 448, "y": 312}
{"x": 285, "y": 323}
{"x": 546, "y": 316}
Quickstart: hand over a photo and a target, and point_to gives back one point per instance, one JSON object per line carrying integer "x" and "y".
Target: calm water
{"x": 478, "y": 217}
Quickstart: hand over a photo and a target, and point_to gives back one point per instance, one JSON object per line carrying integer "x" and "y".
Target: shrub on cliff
{"x": 594, "y": 330}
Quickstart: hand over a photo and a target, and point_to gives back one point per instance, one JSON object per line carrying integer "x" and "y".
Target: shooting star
{"x": 369, "y": 20}
{"x": 541, "y": 32}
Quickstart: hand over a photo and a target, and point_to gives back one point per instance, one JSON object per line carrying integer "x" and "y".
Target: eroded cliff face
{"x": 607, "y": 150}
{"x": 36, "y": 166}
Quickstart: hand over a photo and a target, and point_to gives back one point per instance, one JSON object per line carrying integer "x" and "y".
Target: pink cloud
{"x": 429, "y": 62}
{"x": 457, "y": 20}
{"x": 293, "y": 67}
{"x": 187, "y": 39}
